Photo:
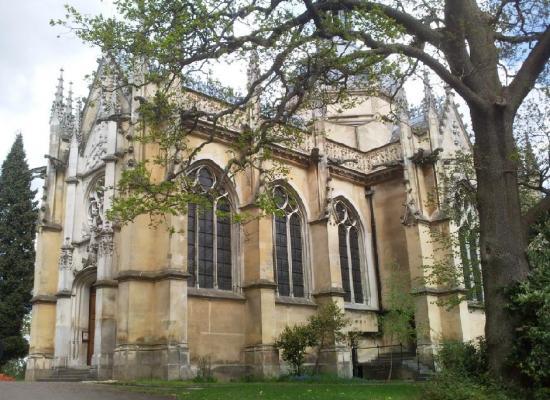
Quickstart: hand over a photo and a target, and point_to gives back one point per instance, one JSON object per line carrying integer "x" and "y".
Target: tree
{"x": 326, "y": 327}
{"x": 491, "y": 52}
{"x": 294, "y": 341}
{"x": 18, "y": 216}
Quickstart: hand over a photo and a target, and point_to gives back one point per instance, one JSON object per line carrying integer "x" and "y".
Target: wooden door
{"x": 91, "y": 326}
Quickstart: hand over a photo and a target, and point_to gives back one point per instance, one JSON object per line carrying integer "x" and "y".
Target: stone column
{"x": 106, "y": 291}
{"x": 63, "y": 307}
{"x": 336, "y": 357}
{"x": 42, "y": 341}
{"x": 259, "y": 288}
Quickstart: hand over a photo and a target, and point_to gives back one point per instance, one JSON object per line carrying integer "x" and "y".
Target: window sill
{"x": 359, "y": 307}
{"x": 296, "y": 301}
{"x": 214, "y": 294}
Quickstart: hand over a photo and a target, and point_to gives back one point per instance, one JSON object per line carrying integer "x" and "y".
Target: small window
{"x": 350, "y": 254}
{"x": 209, "y": 235}
{"x": 288, "y": 257}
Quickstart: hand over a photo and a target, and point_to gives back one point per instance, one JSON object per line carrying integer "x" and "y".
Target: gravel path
{"x": 70, "y": 391}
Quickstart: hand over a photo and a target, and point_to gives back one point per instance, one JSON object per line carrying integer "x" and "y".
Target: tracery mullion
{"x": 350, "y": 262}
{"x": 289, "y": 255}
{"x": 215, "y": 244}
{"x": 197, "y": 244}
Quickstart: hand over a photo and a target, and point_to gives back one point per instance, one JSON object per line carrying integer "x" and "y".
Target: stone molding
{"x": 106, "y": 283}
{"x": 331, "y": 292}
{"x": 260, "y": 284}
{"x": 63, "y": 294}
{"x": 50, "y": 226}
{"x": 430, "y": 291}
{"x": 44, "y": 299}
{"x": 296, "y": 301}
{"x": 214, "y": 294}
{"x": 152, "y": 276}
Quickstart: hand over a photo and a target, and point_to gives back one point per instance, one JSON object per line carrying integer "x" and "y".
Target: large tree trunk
{"x": 502, "y": 243}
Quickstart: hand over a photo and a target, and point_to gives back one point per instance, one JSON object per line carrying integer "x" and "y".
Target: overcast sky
{"x": 31, "y": 56}
{"x": 32, "y": 52}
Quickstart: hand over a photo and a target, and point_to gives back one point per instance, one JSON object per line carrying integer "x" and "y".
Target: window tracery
{"x": 209, "y": 234}
{"x": 350, "y": 255}
{"x": 288, "y": 245}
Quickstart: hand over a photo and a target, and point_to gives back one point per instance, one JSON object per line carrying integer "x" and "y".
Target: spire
{"x": 57, "y": 105}
{"x": 78, "y": 110}
{"x": 69, "y": 106}
{"x": 253, "y": 74}
{"x": 59, "y": 91}
{"x": 428, "y": 92}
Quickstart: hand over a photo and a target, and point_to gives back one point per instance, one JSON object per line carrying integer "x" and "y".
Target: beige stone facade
{"x": 133, "y": 302}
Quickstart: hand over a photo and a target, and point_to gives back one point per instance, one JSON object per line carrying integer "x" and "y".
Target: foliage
{"x": 327, "y": 326}
{"x": 204, "y": 372}
{"x": 15, "y": 368}
{"x": 323, "y": 328}
{"x": 397, "y": 321}
{"x": 462, "y": 374}
{"x": 18, "y": 216}
{"x": 464, "y": 358}
{"x": 531, "y": 301}
{"x": 293, "y": 341}
{"x": 447, "y": 386}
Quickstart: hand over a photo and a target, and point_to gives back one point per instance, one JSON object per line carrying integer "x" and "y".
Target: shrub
{"x": 14, "y": 368}
{"x": 530, "y": 302}
{"x": 293, "y": 342}
{"x": 204, "y": 373}
{"x": 453, "y": 386}
{"x": 464, "y": 358}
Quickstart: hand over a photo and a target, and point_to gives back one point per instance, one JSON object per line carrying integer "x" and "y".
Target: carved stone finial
{"x": 428, "y": 91}
{"x": 57, "y": 105}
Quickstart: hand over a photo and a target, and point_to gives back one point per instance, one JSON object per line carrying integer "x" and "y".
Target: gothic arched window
{"x": 350, "y": 254}
{"x": 471, "y": 267}
{"x": 209, "y": 234}
{"x": 289, "y": 245}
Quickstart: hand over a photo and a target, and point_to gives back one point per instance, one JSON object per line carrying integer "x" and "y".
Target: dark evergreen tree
{"x": 18, "y": 216}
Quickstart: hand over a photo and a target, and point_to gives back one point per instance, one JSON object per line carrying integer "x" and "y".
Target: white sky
{"x": 31, "y": 54}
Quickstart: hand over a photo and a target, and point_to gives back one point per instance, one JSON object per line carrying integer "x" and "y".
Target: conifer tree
{"x": 18, "y": 216}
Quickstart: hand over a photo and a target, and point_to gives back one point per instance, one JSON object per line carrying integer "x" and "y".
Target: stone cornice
{"x": 152, "y": 276}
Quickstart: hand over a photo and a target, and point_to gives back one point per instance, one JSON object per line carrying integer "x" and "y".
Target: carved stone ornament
{"x": 106, "y": 243}
{"x": 97, "y": 148}
{"x": 96, "y": 201}
{"x": 66, "y": 257}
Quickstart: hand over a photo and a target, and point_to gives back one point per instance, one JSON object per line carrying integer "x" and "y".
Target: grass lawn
{"x": 347, "y": 390}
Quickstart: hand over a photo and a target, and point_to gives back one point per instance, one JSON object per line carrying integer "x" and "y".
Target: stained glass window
{"x": 289, "y": 265}
{"x": 209, "y": 235}
{"x": 350, "y": 254}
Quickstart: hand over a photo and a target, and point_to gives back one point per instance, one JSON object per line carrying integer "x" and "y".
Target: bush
{"x": 530, "y": 302}
{"x": 452, "y": 386}
{"x": 14, "y": 368}
{"x": 464, "y": 358}
{"x": 204, "y": 373}
{"x": 293, "y": 342}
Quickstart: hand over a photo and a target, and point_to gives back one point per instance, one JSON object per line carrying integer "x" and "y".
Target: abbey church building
{"x": 139, "y": 301}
